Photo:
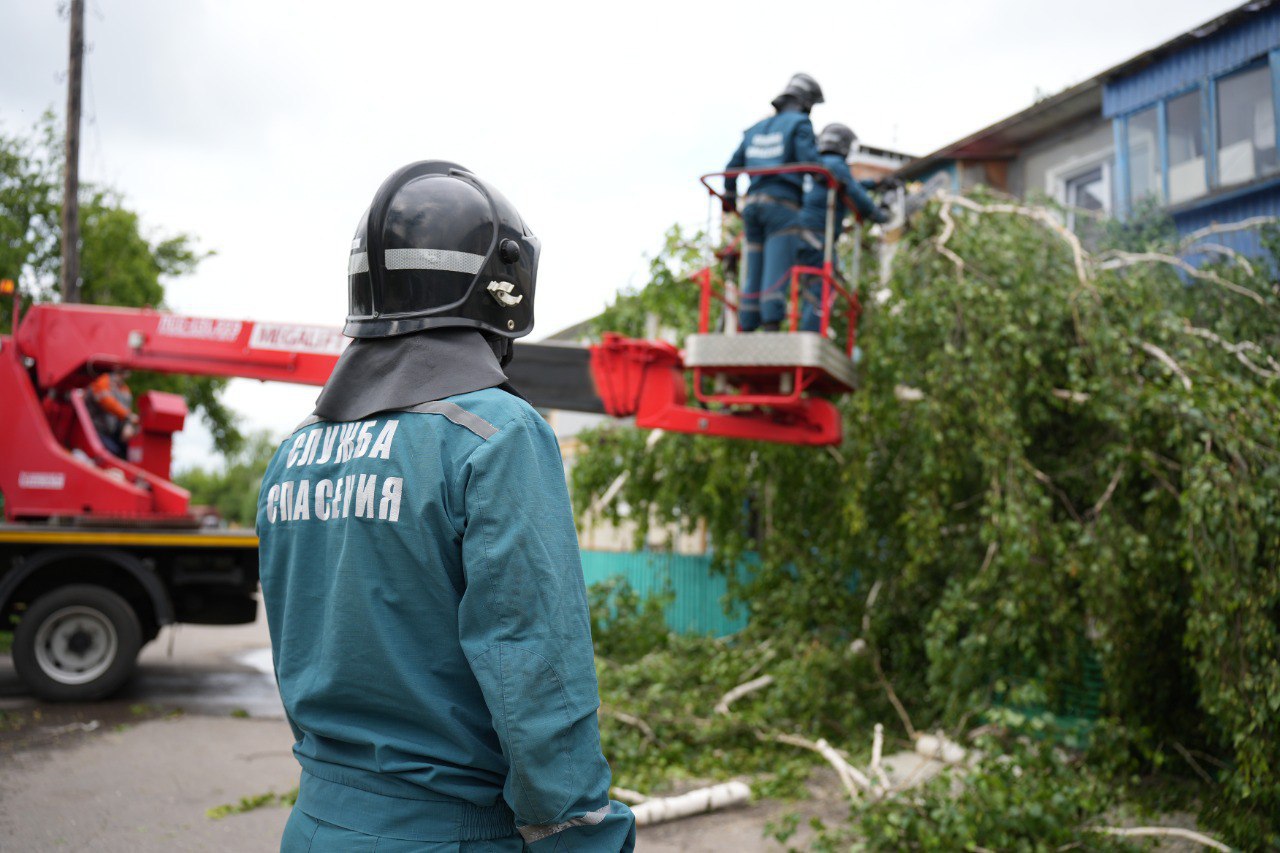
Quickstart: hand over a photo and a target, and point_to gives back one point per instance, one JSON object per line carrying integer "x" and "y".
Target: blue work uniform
{"x": 813, "y": 224}
{"x": 430, "y": 633}
{"x": 770, "y": 213}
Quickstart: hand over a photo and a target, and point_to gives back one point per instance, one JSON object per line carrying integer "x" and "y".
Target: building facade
{"x": 1189, "y": 126}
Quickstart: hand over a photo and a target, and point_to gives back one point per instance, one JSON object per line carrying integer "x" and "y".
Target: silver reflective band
{"x": 308, "y": 421}
{"x": 457, "y": 415}
{"x": 358, "y": 263}
{"x": 434, "y": 259}
{"x": 531, "y": 834}
{"x": 452, "y": 411}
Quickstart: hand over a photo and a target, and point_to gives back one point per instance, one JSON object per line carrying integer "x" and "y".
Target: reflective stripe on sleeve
{"x": 530, "y": 834}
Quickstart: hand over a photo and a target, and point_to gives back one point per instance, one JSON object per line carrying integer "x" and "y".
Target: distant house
{"x": 1190, "y": 124}
{"x": 866, "y": 162}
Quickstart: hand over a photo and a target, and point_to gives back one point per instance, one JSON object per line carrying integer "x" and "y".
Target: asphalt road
{"x": 200, "y": 725}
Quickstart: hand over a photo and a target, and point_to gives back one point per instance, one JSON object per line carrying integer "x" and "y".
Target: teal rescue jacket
{"x": 429, "y": 627}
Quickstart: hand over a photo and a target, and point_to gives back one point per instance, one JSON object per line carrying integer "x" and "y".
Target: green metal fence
{"x": 699, "y": 592}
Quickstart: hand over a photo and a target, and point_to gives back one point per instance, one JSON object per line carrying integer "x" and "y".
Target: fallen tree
{"x": 1060, "y": 460}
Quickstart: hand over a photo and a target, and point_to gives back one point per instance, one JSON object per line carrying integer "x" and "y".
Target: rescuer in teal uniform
{"x": 770, "y": 212}
{"x": 834, "y": 144}
{"x": 419, "y": 560}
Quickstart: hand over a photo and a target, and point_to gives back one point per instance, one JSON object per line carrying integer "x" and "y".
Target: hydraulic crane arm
{"x": 55, "y": 465}
{"x": 68, "y": 344}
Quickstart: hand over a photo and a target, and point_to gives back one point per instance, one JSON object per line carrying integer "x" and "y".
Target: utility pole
{"x": 71, "y": 188}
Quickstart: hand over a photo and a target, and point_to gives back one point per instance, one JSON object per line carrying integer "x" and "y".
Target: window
{"x": 1187, "y": 173}
{"x": 1087, "y": 191}
{"x": 1246, "y": 127}
{"x": 1144, "y": 155}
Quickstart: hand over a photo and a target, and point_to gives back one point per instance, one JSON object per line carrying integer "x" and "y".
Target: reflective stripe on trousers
{"x": 767, "y": 286}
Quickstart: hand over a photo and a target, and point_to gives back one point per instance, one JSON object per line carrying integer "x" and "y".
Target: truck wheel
{"x": 76, "y": 643}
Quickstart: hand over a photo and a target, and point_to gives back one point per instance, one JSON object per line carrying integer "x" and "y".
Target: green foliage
{"x": 625, "y": 627}
{"x": 659, "y": 691}
{"x": 669, "y": 295}
{"x": 1039, "y": 468}
{"x": 30, "y": 207}
{"x": 233, "y": 489}
{"x": 1020, "y": 796}
{"x": 121, "y": 264}
{"x": 252, "y": 803}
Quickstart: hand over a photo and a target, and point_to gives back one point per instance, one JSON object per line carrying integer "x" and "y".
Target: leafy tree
{"x": 233, "y": 490}
{"x": 120, "y": 263}
{"x": 1055, "y": 456}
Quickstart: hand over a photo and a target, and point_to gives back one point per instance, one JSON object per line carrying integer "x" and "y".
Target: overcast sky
{"x": 263, "y": 128}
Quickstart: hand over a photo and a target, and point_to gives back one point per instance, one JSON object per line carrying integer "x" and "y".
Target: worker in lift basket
{"x": 111, "y": 410}
{"x": 834, "y": 144}
{"x": 419, "y": 560}
{"x": 770, "y": 212}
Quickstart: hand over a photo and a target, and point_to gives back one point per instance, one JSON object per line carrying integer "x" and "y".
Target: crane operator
{"x": 111, "y": 410}
{"x": 771, "y": 210}
{"x": 419, "y": 560}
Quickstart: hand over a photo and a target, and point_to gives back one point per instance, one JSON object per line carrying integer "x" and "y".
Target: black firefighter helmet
{"x": 439, "y": 248}
{"x": 804, "y": 89}
{"x": 836, "y": 138}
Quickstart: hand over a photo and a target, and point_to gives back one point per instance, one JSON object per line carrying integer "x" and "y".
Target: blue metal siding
{"x": 1216, "y": 54}
{"x": 699, "y": 592}
{"x": 1263, "y": 201}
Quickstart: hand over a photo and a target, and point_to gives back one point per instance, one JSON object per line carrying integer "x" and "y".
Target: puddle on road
{"x": 251, "y": 687}
{"x": 259, "y": 659}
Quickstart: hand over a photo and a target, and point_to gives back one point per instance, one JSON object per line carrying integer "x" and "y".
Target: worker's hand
{"x": 729, "y": 204}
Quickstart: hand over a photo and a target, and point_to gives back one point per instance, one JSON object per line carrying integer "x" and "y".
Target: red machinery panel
{"x": 160, "y": 415}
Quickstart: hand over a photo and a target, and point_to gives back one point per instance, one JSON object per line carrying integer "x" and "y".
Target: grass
{"x": 6, "y": 642}
{"x": 251, "y": 802}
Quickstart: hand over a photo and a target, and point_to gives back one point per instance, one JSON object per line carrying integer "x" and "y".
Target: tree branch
{"x": 1223, "y": 228}
{"x": 1238, "y": 350}
{"x": 1219, "y": 249}
{"x": 1195, "y": 765}
{"x": 628, "y": 719}
{"x": 1096, "y": 509}
{"x": 875, "y": 661}
{"x": 1167, "y": 360}
{"x": 853, "y": 779}
{"x": 948, "y": 228}
{"x": 628, "y": 796}
{"x": 722, "y": 707}
{"x": 1039, "y": 214}
{"x": 1120, "y": 260}
{"x": 1053, "y": 487}
{"x": 1169, "y": 831}
{"x": 1070, "y": 396}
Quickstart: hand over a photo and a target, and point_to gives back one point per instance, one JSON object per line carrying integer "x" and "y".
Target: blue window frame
{"x": 1220, "y": 133}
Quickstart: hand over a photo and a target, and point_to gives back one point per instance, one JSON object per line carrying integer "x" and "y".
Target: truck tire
{"x": 76, "y": 643}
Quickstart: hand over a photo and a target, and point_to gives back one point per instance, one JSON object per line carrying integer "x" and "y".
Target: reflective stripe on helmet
{"x": 359, "y": 263}
{"x": 434, "y": 259}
